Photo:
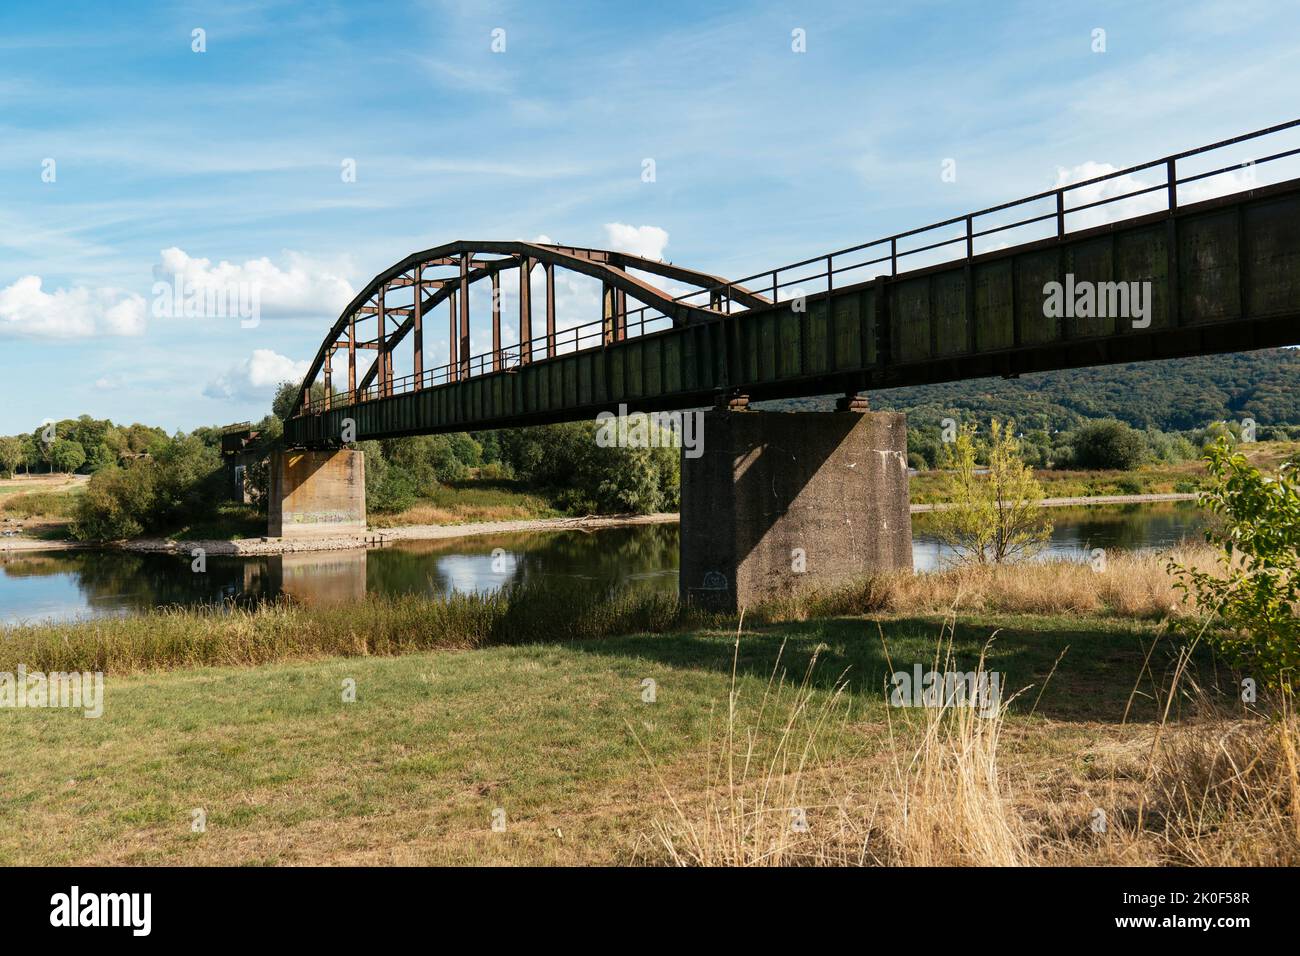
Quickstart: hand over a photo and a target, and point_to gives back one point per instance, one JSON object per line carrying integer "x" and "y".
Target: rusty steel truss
{"x": 943, "y": 302}
{"x": 401, "y": 303}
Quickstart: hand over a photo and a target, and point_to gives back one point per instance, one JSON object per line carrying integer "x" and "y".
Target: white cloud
{"x": 28, "y": 310}
{"x": 256, "y": 376}
{"x": 645, "y": 241}
{"x": 304, "y": 287}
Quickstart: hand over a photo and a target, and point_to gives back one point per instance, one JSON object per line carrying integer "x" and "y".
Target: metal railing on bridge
{"x": 887, "y": 256}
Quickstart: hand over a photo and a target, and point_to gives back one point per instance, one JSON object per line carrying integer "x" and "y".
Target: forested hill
{"x": 1174, "y": 395}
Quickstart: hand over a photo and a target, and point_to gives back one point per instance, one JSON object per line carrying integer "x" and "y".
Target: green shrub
{"x": 178, "y": 485}
{"x": 591, "y": 479}
{"x": 115, "y": 504}
{"x": 1255, "y": 597}
{"x": 1108, "y": 444}
{"x": 1129, "y": 486}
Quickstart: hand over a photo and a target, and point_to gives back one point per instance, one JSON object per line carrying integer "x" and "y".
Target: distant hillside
{"x": 1174, "y": 395}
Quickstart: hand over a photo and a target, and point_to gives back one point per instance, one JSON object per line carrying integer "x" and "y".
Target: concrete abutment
{"x": 317, "y": 494}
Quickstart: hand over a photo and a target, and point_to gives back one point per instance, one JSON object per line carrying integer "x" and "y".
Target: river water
{"x": 77, "y": 584}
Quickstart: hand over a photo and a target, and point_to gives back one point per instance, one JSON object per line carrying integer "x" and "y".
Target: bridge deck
{"x": 1224, "y": 276}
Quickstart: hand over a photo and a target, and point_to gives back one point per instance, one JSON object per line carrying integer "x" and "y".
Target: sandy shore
{"x": 383, "y": 536}
{"x": 433, "y": 532}
{"x": 1091, "y": 500}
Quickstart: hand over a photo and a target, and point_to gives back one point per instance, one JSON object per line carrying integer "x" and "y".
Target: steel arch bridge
{"x": 963, "y": 298}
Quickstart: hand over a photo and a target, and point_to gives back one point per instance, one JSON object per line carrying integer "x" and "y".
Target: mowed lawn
{"x": 557, "y": 736}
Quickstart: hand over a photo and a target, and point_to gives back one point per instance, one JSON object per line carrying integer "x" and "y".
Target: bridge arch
{"x": 446, "y": 273}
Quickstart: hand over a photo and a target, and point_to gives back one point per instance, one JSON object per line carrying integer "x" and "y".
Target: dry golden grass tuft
{"x": 1131, "y": 585}
{"x": 1219, "y": 787}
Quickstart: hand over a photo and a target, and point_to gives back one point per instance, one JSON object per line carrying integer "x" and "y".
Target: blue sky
{"x": 229, "y": 162}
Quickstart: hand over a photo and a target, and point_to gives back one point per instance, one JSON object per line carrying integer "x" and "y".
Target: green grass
{"x": 45, "y": 504}
{"x": 15, "y": 486}
{"x": 410, "y": 773}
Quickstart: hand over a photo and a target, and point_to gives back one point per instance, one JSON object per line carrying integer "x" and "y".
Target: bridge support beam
{"x": 317, "y": 494}
{"x": 783, "y": 503}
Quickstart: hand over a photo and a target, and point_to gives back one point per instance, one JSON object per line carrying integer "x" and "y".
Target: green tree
{"x": 584, "y": 477}
{"x": 115, "y": 504}
{"x": 995, "y": 516}
{"x": 286, "y": 393}
{"x": 177, "y": 485}
{"x": 66, "y": 455}
{"x": 31, "y": 452}
{"x": 1108, "y": 444}
{"x": 1255, "y": 596}
{"x": 11, "y": 455}
{"x": 102, "y": 457}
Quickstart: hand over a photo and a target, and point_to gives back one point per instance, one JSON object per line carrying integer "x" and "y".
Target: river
{"x": 70, "y": 585}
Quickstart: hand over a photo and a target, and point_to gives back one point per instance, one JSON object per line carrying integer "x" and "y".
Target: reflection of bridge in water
{"x": 964, "y": 298}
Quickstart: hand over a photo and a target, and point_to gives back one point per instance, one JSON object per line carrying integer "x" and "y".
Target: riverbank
{"x": 1132, "y": 585}
{"x": 382, "y": 536}
{"x": 556, "y": 753}
{"x": 540, "y": 727}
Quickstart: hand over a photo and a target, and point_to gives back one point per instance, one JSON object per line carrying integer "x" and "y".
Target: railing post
{"x": 970, "y": 237}
{"x": 830, "y": 277}
{"x": 1060, "y": 212}
{"x": 1171, "y": 177}
{"x": 893, "y": 255}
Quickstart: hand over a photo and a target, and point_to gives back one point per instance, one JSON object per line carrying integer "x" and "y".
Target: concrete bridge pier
{"x": 317, "y": 494}
{"x": 786, "y": 502}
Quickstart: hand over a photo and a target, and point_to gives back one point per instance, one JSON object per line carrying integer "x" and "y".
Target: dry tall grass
{"x": 764, "y": 782}
{"x": 1132, "y": 584}
{"x": 1218, "y": 787}
{"x": 948, "y": 804}
{"x": 782, "y": 792}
